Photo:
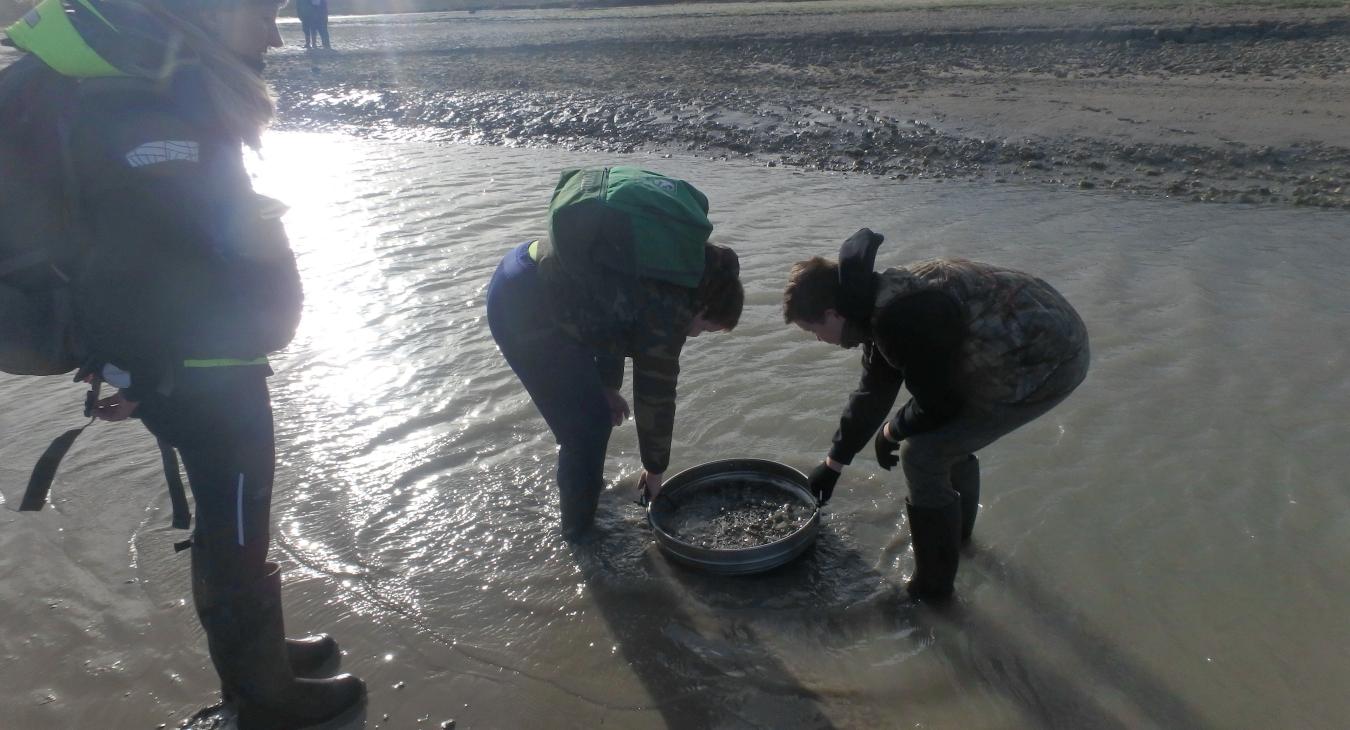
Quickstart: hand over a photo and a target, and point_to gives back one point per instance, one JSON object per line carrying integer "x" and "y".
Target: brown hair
{"x": 240, "y": 99}
{"x": 720, "y": 296}
{"x": 812, "y": 288}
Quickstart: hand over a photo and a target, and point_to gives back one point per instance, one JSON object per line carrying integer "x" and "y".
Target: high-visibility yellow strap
{"x": 47, "y": 33}
{"x": 223, "y": 362}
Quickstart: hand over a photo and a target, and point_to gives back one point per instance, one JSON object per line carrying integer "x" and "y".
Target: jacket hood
{"x": 857, "y": 281}
{"x": 97, "y": 39}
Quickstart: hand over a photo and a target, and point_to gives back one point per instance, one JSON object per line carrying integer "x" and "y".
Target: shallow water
{"x": 1165, "y": 549}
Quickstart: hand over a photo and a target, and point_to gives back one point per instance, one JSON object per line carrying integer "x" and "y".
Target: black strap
{"x": 40, "y": 482}
{"x": 182, "y": 516}
{"x": 44, "y": 473}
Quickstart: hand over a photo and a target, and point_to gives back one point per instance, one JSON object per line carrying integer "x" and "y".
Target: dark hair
{"x": 812, "y": 288}
{"x": 720, "y": 296}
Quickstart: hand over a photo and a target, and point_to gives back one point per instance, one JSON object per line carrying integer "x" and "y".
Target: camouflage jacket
{"x": 958, "y": 334}
{"x": 619, "y": 317}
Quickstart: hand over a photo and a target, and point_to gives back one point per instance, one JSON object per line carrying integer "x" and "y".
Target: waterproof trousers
{"x": 562, "y": 378}
{"x": 220, "y": 421}
{"x": 938, "y": 463}
{"x": 944, "y": 476}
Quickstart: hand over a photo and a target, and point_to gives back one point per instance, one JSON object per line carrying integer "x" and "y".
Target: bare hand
{"x": 115, "y": 408}
{"x": 618, "y": 407}
{"x": 650, "y": 483}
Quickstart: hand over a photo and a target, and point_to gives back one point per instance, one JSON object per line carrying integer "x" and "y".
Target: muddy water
{"x": 733, "y": 514}
{"x": 1166, "y": 549}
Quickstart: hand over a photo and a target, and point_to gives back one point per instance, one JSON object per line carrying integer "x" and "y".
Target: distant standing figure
{"x": 305, "y": 11}
{"x": 319, "y": 19}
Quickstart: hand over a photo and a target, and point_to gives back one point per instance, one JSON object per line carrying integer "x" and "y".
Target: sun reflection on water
{"x": 333, "y": 230}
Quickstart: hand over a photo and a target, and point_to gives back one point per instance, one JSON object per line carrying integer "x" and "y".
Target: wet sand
{"x": 1211, "y": 102}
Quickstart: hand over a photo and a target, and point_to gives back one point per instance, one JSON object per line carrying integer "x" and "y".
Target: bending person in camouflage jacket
{"x": 982, "y": 350}
{"x": 566, "y": 336}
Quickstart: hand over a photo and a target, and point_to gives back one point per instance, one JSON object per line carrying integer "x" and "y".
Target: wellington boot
{"x": 309, "y": 656}
{"x": 305, "y": 703}
{"x": 966, "y": 482}
{"x": 247, "y": 638}
{"x": 936, "y": 535}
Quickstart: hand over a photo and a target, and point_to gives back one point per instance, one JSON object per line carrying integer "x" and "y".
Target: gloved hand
{"x": 886, "y": 449}
{"x": 822, "y": 481}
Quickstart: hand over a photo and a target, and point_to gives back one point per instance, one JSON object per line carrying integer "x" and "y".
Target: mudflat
{"x": 1215, "y": 101}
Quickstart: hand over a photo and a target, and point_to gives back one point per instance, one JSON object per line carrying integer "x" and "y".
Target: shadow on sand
{"x": 692, "y": 640}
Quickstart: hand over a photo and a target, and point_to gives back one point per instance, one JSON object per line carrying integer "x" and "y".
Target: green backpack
{"x": 631, "y": 221}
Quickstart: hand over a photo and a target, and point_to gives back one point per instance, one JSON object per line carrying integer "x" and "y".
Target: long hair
{"x": 241, "y": 102}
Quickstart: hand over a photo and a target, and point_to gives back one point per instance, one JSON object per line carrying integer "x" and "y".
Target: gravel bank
{"x": 1218, "y": 102}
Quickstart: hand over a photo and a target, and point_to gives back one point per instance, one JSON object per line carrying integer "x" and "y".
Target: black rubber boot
{"x": 308, "y": 656}
{"x": 966, "y": 482}
{"x": 936, "y": 535}
{"x": 246, "y": 635}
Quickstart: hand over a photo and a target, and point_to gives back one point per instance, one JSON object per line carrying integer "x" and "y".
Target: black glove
{"x": 886, "y": 449}
{"x": 822, "y": 481}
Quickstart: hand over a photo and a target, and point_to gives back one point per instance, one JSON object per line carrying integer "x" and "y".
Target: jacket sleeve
{"x": 867, "y": 406}
{"x": 185, "y": 261}
{"x": 921, "y": 333}
{"x": 656, "y": 372}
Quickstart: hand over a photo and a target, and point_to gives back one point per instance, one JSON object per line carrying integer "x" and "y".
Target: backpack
{"x": 41, "y": 242}
{"x": 39, "y": 236}
{"x": 633, "y": 222}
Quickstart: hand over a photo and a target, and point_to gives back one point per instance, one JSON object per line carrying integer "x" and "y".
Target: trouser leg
{"x": 563, "y": 380}
{"x": 232, "y": 487}
{"x": 942, "y": 471}
{"x": 221, "y": 424}
{"x": 965, "y": 478}
{"x": 932, "y": 460}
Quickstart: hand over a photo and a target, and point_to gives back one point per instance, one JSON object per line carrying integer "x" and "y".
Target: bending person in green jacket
{"x": 567, "y": 311}
{"x": 983, "y": 351}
